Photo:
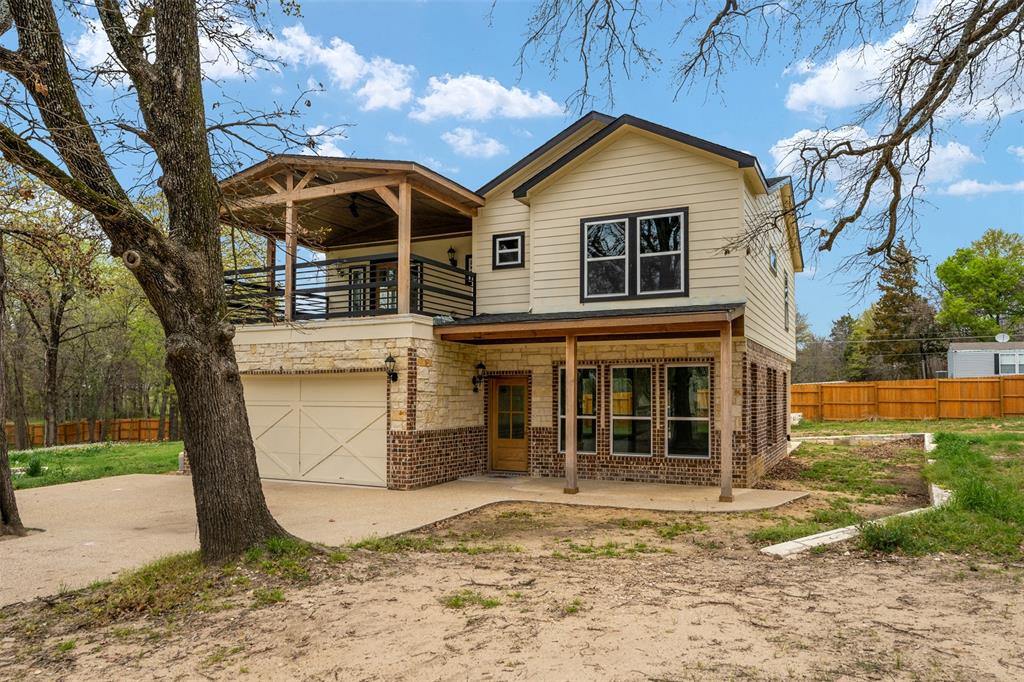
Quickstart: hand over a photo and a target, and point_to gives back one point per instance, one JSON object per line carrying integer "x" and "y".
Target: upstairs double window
{"x": 634, "y": 256}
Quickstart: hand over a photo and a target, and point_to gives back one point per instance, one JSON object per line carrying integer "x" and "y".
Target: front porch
{"x": 349, "y": 238}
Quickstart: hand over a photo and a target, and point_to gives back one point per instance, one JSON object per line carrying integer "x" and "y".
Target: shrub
{"x": 34, "y": 468}
{"x": 887, "y": 536}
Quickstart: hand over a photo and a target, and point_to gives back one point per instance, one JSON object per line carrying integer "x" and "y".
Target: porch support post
{"x": 571, "y": 484}
{"x": 291, "y": 246}
{"x": 271, "y": 261}
{"x": 404, "y": 244}
{"x": 725, "y": 395}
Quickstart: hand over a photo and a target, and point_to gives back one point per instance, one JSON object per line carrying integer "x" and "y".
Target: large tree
{"x": 983, "y": 286}
{"x": 49, "y": 131}
{"x": 932, "y": 64}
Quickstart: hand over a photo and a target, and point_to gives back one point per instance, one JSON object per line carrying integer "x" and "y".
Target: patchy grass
{"x": 572, "y": 608}
{"x": 51, "y": 467}
{"x": 614, "y": 550}
{"x": 837, "y": 515}
{"x": 267, "y": 596}
{"x": 427, "y": 543}
{"x": 809, "y": 428}
{"x": 464, "y": 598}
{"x": 985, "y": 473}
{"x": 852, "y": 470}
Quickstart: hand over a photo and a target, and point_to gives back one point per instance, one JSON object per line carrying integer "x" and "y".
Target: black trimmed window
{"x": 660, "y": 254}
{"x": 688, "y": 411}
{"x": 508, "y": 251}
{"x": 586, "y": 409}
{"x": 634, "y": 256}
{"x": 605, "y": 258}
{"x": 631, "y": 411}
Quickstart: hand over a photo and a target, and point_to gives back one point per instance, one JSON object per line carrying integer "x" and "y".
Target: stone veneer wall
{"x": 437, "y": 424}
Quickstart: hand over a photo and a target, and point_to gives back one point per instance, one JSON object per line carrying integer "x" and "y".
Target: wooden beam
{"x": 274, "y": 185}
{"x": 319, "y": 192}
{"x": 725, "y": 396}
{"x": 291, "y": 244}
{"x": 571, "y": 484}
{"x": 305, "y": 179}
{"x": 404, "y": 245}
{"x": 447, "y": 201}
{"x": 388, "y": 196}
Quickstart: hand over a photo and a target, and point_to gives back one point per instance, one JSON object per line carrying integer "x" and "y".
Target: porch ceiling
{"x": 338, "y": 203}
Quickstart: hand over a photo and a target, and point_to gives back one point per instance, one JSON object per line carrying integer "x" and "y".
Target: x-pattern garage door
{"x": 329, "y": 428}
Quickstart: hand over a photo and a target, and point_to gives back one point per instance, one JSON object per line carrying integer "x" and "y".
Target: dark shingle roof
{"x": 503, "y": 318}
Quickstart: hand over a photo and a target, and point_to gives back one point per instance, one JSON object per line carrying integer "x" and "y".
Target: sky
{"x": 437, "y": 82}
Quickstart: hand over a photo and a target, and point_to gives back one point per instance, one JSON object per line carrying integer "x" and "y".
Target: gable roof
{"x": 545, "y": 148}
{"x": 743, "y": 160}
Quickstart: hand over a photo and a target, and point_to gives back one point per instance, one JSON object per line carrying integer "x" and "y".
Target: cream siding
{"x": 764, "y": 319}
{"x": 508, "y": 290}
{"x": 631, "y": 173}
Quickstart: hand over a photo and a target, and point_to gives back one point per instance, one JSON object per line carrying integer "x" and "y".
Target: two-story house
{"x": 404, "y": 330}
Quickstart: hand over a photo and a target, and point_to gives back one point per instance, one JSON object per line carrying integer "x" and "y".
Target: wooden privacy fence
{"x": 136, "y": 430}
{"x": 910, "y": 399}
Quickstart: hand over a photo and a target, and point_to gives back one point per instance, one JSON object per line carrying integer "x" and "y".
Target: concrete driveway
{"x": 95, "y": 529}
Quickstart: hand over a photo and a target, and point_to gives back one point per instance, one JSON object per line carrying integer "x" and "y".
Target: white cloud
{"x": 1016, "y": 150}
{"x": 857, "y": 75}
{"x": 326, "y": 145}
{"x": 92, "y": 49}
{"x": 438, "y": 165}
{"x": 843, "y": 82}
{"x": 948, "y": 161}
{"x": 945, "y": 163}
{"x": 382, "y": 83}
{"x": 967, "y": 188}
{"x": 477, "y": 98}
{"x": 473, "y": 143}
{"x": 396, "y": 139}
{"x": 388, "y": 85}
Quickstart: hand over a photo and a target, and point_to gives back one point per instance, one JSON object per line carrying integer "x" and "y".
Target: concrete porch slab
{"x": 629, "y": 495}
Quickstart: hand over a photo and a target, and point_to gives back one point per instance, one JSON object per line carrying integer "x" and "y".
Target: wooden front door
{"x": 507, "y": 426}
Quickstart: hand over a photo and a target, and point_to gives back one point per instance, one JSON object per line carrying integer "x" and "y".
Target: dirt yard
{"x": 557, "y": 592}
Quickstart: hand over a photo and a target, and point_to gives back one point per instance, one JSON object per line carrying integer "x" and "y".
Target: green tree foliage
{"x": 902, "y": 318}
{"x": 983, "y": 286}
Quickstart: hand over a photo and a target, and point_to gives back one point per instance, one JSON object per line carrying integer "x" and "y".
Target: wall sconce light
{"x": 389, "y": 367}
{"x": 451, "y": 256}
{"x": 481, "y": 372}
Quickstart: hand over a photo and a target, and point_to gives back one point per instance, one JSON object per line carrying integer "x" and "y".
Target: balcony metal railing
{"x": 357, "y": 286}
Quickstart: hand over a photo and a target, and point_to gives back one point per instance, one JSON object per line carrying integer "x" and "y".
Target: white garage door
{"x": 327, "y": 428}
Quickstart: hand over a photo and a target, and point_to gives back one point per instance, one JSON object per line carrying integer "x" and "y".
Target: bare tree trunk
{"x": 161, "y": 428}
{"x": 50, "y": 395}
{"x": 22, "y": 437}
{"x": 10, "y": 519}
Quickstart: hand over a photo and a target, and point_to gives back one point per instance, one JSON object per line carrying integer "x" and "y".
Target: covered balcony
{"x": 349, "y": 238}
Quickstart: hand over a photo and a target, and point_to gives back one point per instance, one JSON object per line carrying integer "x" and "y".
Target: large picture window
{"x": 586, "y": 410}
{"x": 605, "y": 262}
{"x": 634, "y": 256}
{"x": 631, "y": 410}
{"x": 687, "y": 411}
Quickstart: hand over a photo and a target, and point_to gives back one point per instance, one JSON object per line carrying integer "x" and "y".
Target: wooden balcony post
{"x": 271, "y": 262}
{"x": 291, "y": 244}
{"x": 404, "y": 244}
{"x": 571, "y": 483}
{"x": 725, "y": 420}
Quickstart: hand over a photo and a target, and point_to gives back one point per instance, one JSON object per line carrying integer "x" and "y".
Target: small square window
{"x": 508, "y": 251}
